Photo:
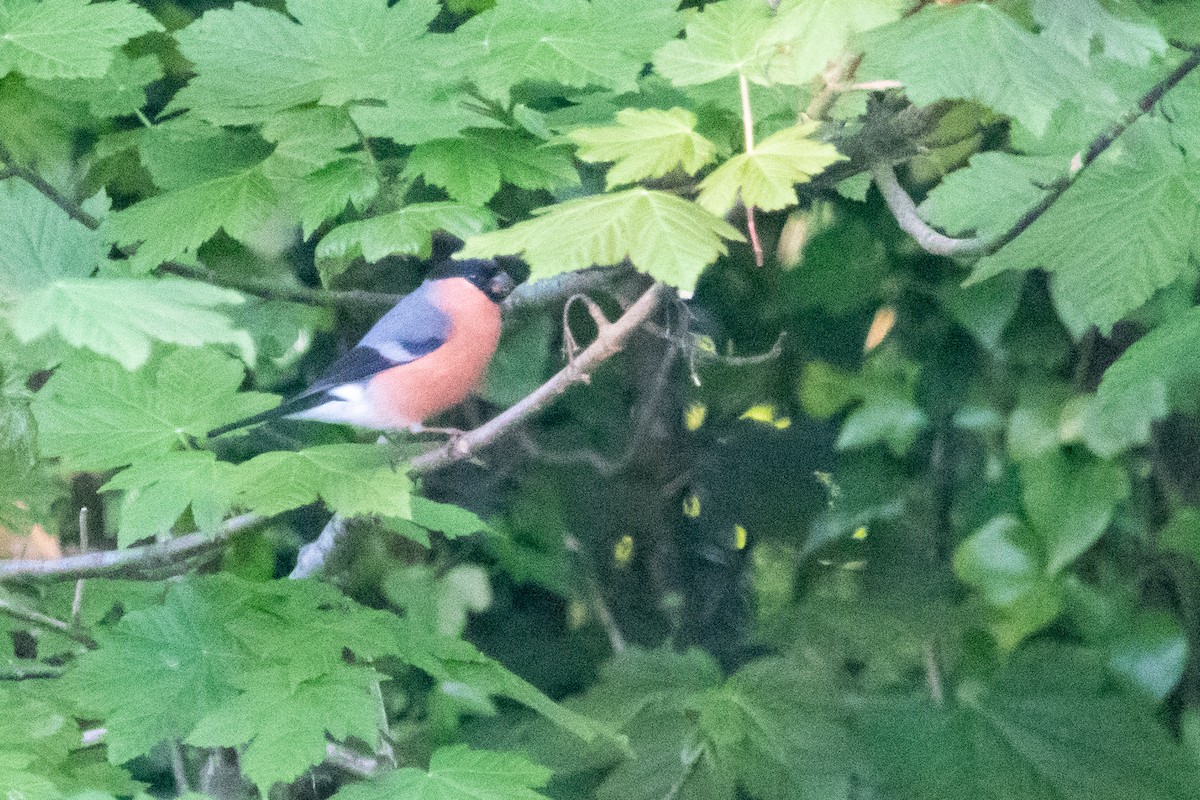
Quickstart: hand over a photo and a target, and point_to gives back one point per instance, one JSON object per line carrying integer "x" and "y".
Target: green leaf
{"x": 891, "y": 420}
{"x": 603, "y": 43}
{"x": 180, "y": 654}
{"x": 1152, "y": 654}
{"x": 95, "y": 415}
{"x": 974, "y": 51}
{"x": 66, "y": 38}
{"x": 121, "y": 317}
{"x": 1070, "y": 502}
{"x": 766, "y": 178}
{"x": 1157, "y": 374}
{"x": 40, "y": 243}
{"x": 158, "y": 491}
{"x": 1111, "y": 241}
{"x": 408, "y": 231}
{"x": 1073, "y": 26}
{"x": 998, "y": 561}
{"x": 187, "y": 151}
{"x": 323, "y": 53}
{"x": 774, "y": 726}
{"x": 352, "y": 479}
{"x": 119, "y": 92}
{"x": 279, "y": 725}
{"x": 722, "y": 40}
{"x": 990, "y": 196}
{"x": 1042, "y": 729}
{"x": 449, "y": 520}
{"x": 664, "y": 236}
{"x": 808, "y": 34}
{"x": 175, "y": 224}
{"x": 645, "y": 144}
{"x": 457, "y": 773}
{"x": 471, "y": 167}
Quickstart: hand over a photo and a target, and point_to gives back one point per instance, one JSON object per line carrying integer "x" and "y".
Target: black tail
{"x": 292, "y": 406}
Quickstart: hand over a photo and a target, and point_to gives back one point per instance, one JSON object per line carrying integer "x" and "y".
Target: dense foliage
{"x": 883, "y": 499}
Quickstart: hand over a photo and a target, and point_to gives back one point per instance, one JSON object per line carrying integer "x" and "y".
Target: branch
{"x": 607, "y": 343}
{"x": 145, "y": 558}
{"x": 18, "y": 611}
{"x": 905, "y": 211}
{"x": 1097, "y": 146}
{"x": 73, "y": 209}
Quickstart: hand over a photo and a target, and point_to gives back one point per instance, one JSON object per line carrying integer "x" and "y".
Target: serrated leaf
{"x": 1070, "y": 502}
{"x": 767, "y": 177}
{"x": 175, "y": 224}
{"x": 457, "y": 773}
{"x": 644, "y": 144}
{"x": 722, "y": 40}
{"x": 449, "y": 520}
{"x": 95, "y": 415}
{"x": 67, "y": 38}
{"x": 187, "y": 151}
{"x": 320, "y": 52}
{"x": 808, "y": 34}
{"x": 122, "y": 317}
{"x": 352, "y": 479}
{"x": 315, "y": 197}
{"x": 119, "y": 92}
{"x": 664, "y": 236}
{"x": 974, "y": 51}
{"x": 408, "y": 231}
{"x": 1004, "y": 738}
{"x": 179, "y": 653}
{"x": 280, "y": 726}
{"x": 602, "y": 43}
{"x": 158, "y": 491}
{"x": 40, "y": 243}
{"x": 471, "y": 167}
{"x": 990, "y": 195}
{"x": 1074, "y": 26}
{"x": 1157, "y": 374}
{"x": 1112, "y": 239}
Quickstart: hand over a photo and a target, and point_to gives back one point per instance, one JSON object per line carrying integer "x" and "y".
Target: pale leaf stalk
{"x": 748, "y": 134}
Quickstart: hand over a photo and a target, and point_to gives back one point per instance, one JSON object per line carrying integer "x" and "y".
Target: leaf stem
{"x": 748, "y": 135}
{"x": 18, "y": 611}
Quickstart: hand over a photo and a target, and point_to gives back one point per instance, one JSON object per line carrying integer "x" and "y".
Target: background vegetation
{"x": 847, "y": 443}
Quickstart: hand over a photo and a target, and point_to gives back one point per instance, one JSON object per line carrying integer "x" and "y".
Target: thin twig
{"x": 933, "y": 676}
{"x": 748, "y": 136}
{"x": 1085, "y": 157}
{"x": 73, "y": 209}
{"x": 179, "y": 769}
{"x": 607, "y": 343}
{"x": 823, "y": 100}
{"x": 77, "y": 602}
{"x": 18, "y": 611}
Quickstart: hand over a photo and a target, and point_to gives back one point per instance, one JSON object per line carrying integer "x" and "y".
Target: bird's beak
{"x": 501, "y": 286}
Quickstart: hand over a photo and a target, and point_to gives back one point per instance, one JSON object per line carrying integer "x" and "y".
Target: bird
{"x": 422, "y": 357}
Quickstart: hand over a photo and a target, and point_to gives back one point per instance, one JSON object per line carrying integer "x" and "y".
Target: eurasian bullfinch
{"x": 423, "y": 357}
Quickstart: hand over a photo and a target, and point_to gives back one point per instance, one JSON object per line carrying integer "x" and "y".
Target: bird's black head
{"x": 487, "y": 275}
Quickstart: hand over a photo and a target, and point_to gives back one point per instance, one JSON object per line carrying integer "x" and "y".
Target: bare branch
{"x": 73, "y": 209}
{"x": 905, "y": 211}
{"x": 18, "y": 611}
{"x": 140, "y": 559}
{"x": 312, "y": 555}
{"x": 1085, "y": 157}
{"x": 607, "y": 343}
